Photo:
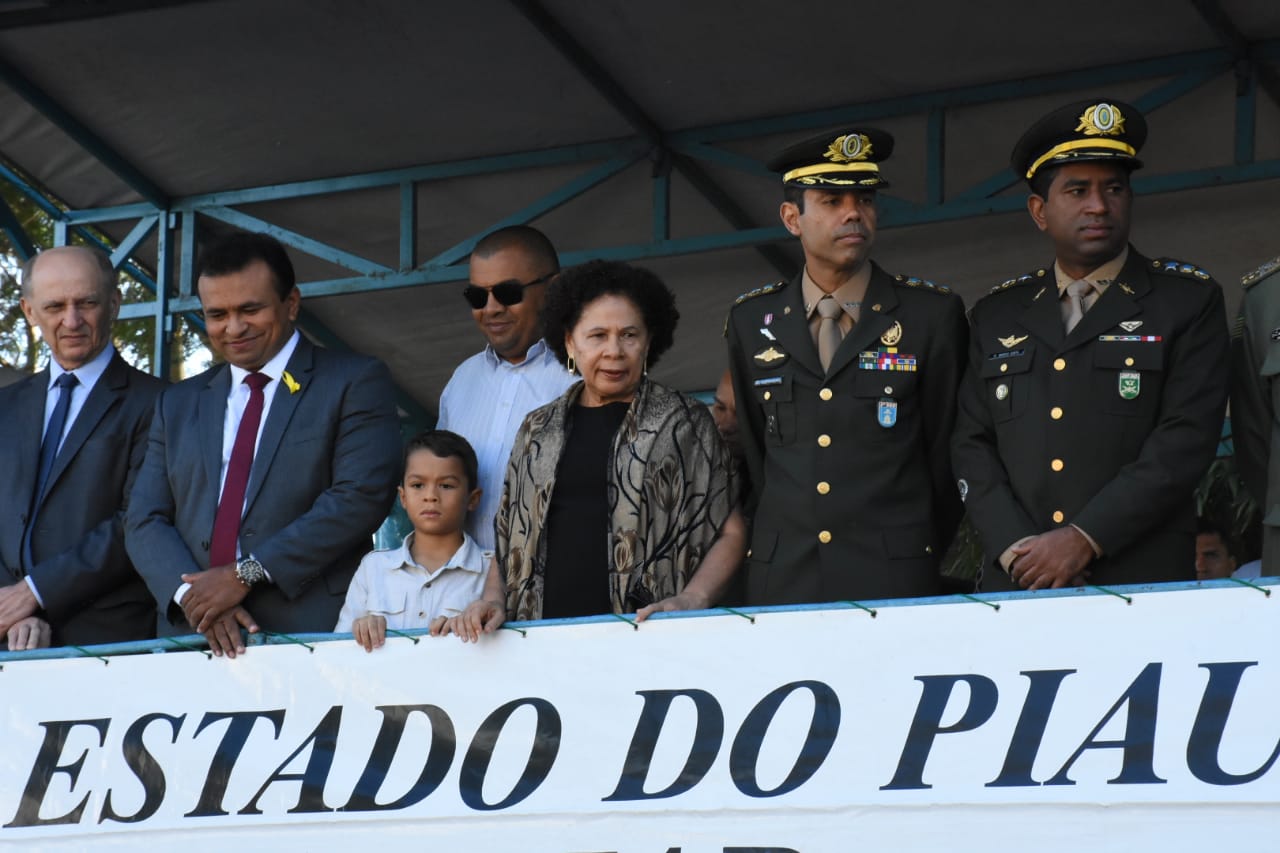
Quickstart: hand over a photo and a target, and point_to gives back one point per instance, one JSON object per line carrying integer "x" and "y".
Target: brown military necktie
{"x": 1075, "y": 303}
{"x": 829, "y": 334}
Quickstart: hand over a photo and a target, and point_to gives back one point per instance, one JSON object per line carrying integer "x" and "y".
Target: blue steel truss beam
{"x": 18, "y": 236}
{"x": 85, "y": 138}
{"x": 618, "y": 98}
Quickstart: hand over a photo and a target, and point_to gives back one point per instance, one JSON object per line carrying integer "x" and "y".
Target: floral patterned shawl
{"x": 671, "y": 487}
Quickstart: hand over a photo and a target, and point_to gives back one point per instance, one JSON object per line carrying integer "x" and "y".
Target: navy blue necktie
{"x": 49, "y": 452}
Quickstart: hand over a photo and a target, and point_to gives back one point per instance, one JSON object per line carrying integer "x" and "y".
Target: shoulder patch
{"x": 1252, "y": 278}
{"x": 1182, "y": 268}
{"x": 760, "y": 291}
{"x": 1022, "y": 279}
{"x": 911, "y": 281}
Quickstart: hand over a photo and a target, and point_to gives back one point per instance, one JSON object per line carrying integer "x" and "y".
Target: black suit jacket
{"x": 1108, "y": 428}
{"x": 323, "y": 478}
{"x": 822, "y": 462}
{"x": 91, "y": 593}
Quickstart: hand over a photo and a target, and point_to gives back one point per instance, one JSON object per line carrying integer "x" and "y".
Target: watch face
{"x": 250, "y": 571}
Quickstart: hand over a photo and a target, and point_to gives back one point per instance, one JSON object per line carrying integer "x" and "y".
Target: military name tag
{"x": 887, "y": 412}
{"x": 770, "y": 356}
{"x": 1130, "y": 384}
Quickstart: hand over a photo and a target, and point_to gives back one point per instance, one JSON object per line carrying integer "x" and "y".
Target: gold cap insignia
{"x": 1101, "y": 120}
{"x": 850, "y": 147}
{"x": 1011, "y": 341}
{"x": 892, "y": 335}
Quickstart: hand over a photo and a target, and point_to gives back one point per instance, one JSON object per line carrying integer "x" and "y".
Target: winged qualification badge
{"x": 1011, "y": 341}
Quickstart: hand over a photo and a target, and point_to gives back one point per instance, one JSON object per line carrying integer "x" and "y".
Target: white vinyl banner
{"x": 1069, "y": 722}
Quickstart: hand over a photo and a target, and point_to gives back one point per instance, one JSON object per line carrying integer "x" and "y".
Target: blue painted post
{"x": 161, "y": 362}
{"x": 408, "y": 226}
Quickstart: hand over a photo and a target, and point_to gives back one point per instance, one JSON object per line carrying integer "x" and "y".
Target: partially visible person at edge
{"x": 490, "y": 393}
{"x": 1255, "y": 381}
{"x": 1096, "y": 386}
{"x": 74, "y": 438}
{"x": 617, "y": 452}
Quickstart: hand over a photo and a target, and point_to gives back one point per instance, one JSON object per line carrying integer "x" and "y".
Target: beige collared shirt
{"x": 1101, "y": 278}
{"x": 849, "y": 295}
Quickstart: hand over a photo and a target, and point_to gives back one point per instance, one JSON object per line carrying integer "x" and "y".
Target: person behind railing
{"x": 439, "y": 568}
{"x": 74, "y": 437}
{"x": 265, "y": 476}
{"x": 619, "y": 495}
{"x": 1214, "y": 559}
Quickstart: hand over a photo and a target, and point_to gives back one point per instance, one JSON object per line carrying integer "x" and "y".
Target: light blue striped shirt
{"x": 485, "y": 402}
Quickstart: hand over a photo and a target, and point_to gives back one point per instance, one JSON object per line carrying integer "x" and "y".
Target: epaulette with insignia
{"x": 1182, "y": 268}
{"x": 911, "y": 281}
{"x": 1022, "y": 279}
{"x": 1250, "y": 279}
{"x": 760, "y": 291}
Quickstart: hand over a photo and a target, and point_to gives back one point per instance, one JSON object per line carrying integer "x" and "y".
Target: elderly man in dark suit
{"x": 265, "y": 476}
{"x": 75, "y": 434}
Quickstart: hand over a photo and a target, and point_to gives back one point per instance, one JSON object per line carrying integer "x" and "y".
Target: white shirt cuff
{"x": 31, "y": 583}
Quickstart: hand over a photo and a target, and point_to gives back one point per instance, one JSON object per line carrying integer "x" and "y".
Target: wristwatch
{"x": 250, "y": 571}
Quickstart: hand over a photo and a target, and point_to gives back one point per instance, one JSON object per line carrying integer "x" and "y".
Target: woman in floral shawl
{"x": 620, "y": 495}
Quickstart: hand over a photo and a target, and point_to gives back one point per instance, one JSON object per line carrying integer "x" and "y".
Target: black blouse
{"x": 578, "y": 535}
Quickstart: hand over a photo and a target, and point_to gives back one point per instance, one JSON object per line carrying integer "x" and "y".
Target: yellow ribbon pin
{"x": 290, "y": 383}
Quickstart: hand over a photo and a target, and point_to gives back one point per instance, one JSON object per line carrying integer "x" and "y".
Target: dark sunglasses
{"x": 506, "y": 292}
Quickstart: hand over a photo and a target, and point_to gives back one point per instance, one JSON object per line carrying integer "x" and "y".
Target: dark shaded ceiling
{"x": 116, "y": 103}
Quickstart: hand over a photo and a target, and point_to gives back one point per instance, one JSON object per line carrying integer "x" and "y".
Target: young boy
{"x": 439, "y": 569}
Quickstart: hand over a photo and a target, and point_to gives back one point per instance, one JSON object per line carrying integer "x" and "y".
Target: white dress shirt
{"x": 393, "y": 585}
{"x": 485, "y": 402}
{"x": 237, "y": 402}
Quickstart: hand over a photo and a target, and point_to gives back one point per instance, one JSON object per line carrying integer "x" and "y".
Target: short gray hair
{"x": 100, "y": 258}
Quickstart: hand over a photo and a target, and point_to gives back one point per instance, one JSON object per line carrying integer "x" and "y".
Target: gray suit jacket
{"x": 91, "y": 593}
{"x": 323, "y": 478}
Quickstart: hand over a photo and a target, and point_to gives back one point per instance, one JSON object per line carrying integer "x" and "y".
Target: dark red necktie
{"x": 226, "y": 524}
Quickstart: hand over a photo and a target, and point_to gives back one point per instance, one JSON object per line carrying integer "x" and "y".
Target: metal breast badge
{"x": 770, "y": 356}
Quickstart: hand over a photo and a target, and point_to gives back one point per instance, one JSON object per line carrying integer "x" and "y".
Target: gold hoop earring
{"x": 570, "y": 364}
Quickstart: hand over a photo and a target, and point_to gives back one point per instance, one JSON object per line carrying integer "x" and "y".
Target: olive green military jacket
{"x": 850, "y": 467}
{"x": 1255, "y": 432}
{"x": 1108, "y": 428}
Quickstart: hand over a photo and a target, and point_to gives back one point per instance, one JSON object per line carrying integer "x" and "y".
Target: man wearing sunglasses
{"x": 491, "y": 392}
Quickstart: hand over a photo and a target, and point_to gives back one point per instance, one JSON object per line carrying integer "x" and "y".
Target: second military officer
{"x": 845, "y": 379}
{"x": 1095, "y": 390}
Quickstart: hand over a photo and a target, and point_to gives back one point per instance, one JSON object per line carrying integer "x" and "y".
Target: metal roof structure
{"x": 380, "y": 139}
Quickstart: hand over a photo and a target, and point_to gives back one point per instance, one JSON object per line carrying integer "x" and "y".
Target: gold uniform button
{"x": 826, "y": 394}
{"x": 823, "y": 488}
{"x": 768, "y": 395}
{"x": 1059, "y": 364}
{"x": 824, "y": 440}
{"x": 1056, "y": 413}
{"x": 824, "y": 536}
{"x": 1058, "y": 516}
{"x": 1128, "y": 362}
{"x": 1004, "y": 368}
{"x": 1056, "y": 465}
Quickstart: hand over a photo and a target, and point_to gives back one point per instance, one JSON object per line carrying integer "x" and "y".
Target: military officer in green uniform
{"x": 845, "y": 379}
{"x": 1255, "y": 388}
{"x": 1096, "y": 386}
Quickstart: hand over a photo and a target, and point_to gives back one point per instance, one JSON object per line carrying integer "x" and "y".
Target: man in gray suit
{"x": 265, "y": 476}
{"x": 75, "y": 434}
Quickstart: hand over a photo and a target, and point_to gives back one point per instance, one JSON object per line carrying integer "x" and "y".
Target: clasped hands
{"x": 212, "y": 607}
{"x": 1052, "y": 560}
